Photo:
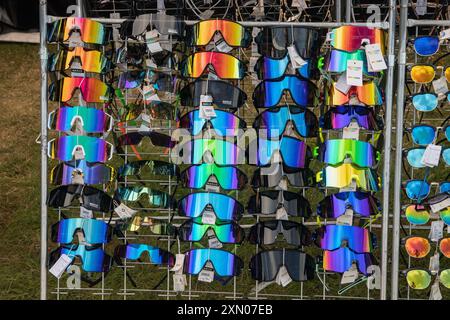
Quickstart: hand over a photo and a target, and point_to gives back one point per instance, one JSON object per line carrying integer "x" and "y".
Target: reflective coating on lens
{"x": 335, "y": 151}
{"x": 272, "y": 68}
{"x": 93, "y": 173}
{"x": 134, "y": 251}
{"x": 154, "y": 197}
{"x": 417, "y": 189}
{"x": 95, "y": 149}
{"x": 417, "y": 247}
{"x": 444, "y": 278}
{"x": 426, "y": 46}
{"x": 160, "y": 168}
{"x": 418, "y": 279}
{"x": 336, "y": 61}
{"x": 94, "y": 231}
{"x": 335, "y": 205}
{"x": 422, "y": 74}
{"x": 341, "y": 116}
{"x": 369, "y": 94}
{"x": 446, "y": 155}
{"x": 229, "y": 178}
{"x": 92, "y": 120}
{"x": 91, "y": 60}
{"x": 444, "y": 247}
{"x": 269, "y": 201}
{"x": 223, "y": 152}
{"x": 342, "y": 176}
{"x": 425, "y": 102}
{"x": 92, "y": 89}
{"x": 225, "y": 233}
{"x": 93, "y": 259}
{"x": 90, "y": 31}
{"x": 294, "y": 152}
{"x": 266, "y": 232}
{"x": 225, "y": 263}
{"x": 341, "y": 260}
{"x": 225, "y": 65}
{"x": 232, "y": 32}
{"x": 350, "y": 38}
{"x": 131, "y": 79}
{"x": 224, "y": 123}
{"x": 445, "y": 215}
{"x": 423, "y": 134}
{"x": 417, "y": 214}
{"x": 332, "y": 237}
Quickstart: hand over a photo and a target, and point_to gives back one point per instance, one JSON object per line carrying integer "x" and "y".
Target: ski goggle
{"x": 424, "y": 134}
{"x": 266, "y": 232}
{"x": 351, "y": 38}
{"x": 226, "y": 233}
{"x": 225, "y": 207}
{"x": 225, "y": 263}
{"x": 269, "y": 201}
{"x": 224, "y": 94}
{"x": 342, "y": 176}
{"x": 340, "y": 117}
{"x": 273, "y": 68}
{"x": 270, "y": 177}
{"x": 229, "y": 178}
{"x": 90, "y": 31}
{"x": 295, "y": 153}
{"x": 155, "y": 197}
{"x": 93, "y": 173}
{"x": 94, "y": 231}
{"x": 274, "y": 121}
{"x": 342, "y": 259}
{"x": 265, "y": 265}
{"x": 135, "y": 138}
{"x": 336, "y": 61}
{"x": 225, "y": 65}
{"x": 92, "y": 89}
{"x": 134, "y": 251}
{"x": 336, "y": 151}
{"x": 93, "y": 259}
{"x": 91, "y": 60}
{"x": 92, "y": 120}
{"x": 418, "y": 214}
{"x": 268, "y": 93}
{"x": 223, "y": 152}
{"x": 425, "y": 102}
{"x": 335, "y": 205}
{"x": 94, "y": 149}
{"x": 90, "y": 198}
{"x": 415, "y": 155}
{"x": 369, "y": 94}
{"x": 426, "y": 45}
{"x": 159, "y": 168}
{"x": 333, "y": 236}
{"x": 234, "y": 34}
{"x": 420, "y": 279}
{"x": 224, "y": 123}
{"x": 419, "y": 247}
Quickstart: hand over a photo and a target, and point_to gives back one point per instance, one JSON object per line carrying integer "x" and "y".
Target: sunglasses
{"x": 155, "y": 167}
{"x": 369, "y": 94}
{"x": 415, "y": 155}
{"x": 418, "y": 190}
{"x": 225, "y": 207}
{"x": 268, "y": 93}
{"x": 135, "y": 138}
{"x": 419, "y": 215}
{"x": 92, "y": 61}
{"x": 270, "y": 177}
{"x": 134, "y": 251}
{"x": 92, "y": 89}
{"x": 294, "y": 152}
{"x": 274, "y": 121}
{"x": 332, "y": 237}
{"x": 225, "y": 263}
{"x": 425, "y": 101}
{"x": 155, "y": 197}
{"x": 158, "y": 227}
{"x": 229, "y": 232}
{"x": 93, "y": 173}
{"x": 342, "y": 259}
{"x": 266, "y": 233}
{"x": 336, "y": 151}
{"x": 165, "y": 24}
{"x": 90, "y": 198}
{"x": 233, "y": 33}
{"x": 225, "y": 65}
{"x": 420, "y": 279}
{"x": 224, "y": 94}
{"x": 94, "y": 231}
{"x": 224, "y": 123}
{"x": 419, "y": 247}
{"x": 90, "y": 31}
{"x": 93, "y": 259}
{"x": 92, "y": 120}
{"x": 336, "y": 61}
{"x": 351, "y": 38}
{"x": 269, "y": 201}
{"x": 94, "y": 149}
{"x": 426, "y": 45}
{"x": 229, "y": 177}
{"x": 265, "y": 265}
{"x": 154, "y": 109}
{"x": 335, "y": 205}
{"x": 424, "y": 74}
{"x": 343, "y": 175}
{"x": 274, "y": 68}
{"x": 131, "y": 79}
{"x": 424, "y": 134}
{"x": 340, "y": 117}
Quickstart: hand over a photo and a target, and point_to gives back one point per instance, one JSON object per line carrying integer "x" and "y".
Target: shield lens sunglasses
{"x": 134, "y": 251}
{"x": 92, "y": 173}
{"x": 335, "y": 205}
{"x": 415, "y": 155}
{"x": 342, "y": 259}
{"x": 225, "y": 207}
{"x": 92, "y": 89}
{"x": 419, "y": 247}
{"x": 268, "y": 93}
{"x": 342, "y": 176}
{"x": 131, "y": 79}
{"x": 135, "y": 138}
{"x": 265, "y": 265}
{"x": 92, "y": 120}
{"x": 269, "y": 201}
{"x": 369, "y": 94}
{"x": 423, "y": 134}
{"x": 295, "y": 153}
{"x": 94, "y": 231}
{"x": 93, "y": 259}
{"x": 417, "y": 189}
{"x": 90, "y": 198}
{"x": 155, "y": 226}
{"x": 224, "y": 123}
{"x": 226, "y": 233}
{"x": 165, "y": 24}
{"x": 234, "y": 34}
{"x": 266, "y": 233}
{"x": 223, "y": 152}
{"x": 225, "y": 65}
{"x": 225, "y": 263}
{"x": 229, "y": 177}
{"x": 270, "y": 177}
{"x": 420, "y": 279}
{"x": 332, "y": 237}
{"x": 336, "y": 61}
{"x": 426, "y": 46}
{"x": 155, "y": 167}
{"x": 273, "y": 68}
{"x": 94, "y": 149}
{"x": 224, "y": 94}
{"x": 419, "y": 215}
{"x": 274, "y": 121}
{"x": 425, "y": 101}
{"x": 92, "y": 32}
{"x": 91, "y": 61}
{"x": 351, "y": 38}
{"x": 340, "y": 117}
{"x": 336, "y": 151}
{"x": 154, "y": 197}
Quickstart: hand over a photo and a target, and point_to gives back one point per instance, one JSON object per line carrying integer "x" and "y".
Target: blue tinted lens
{"x": 293, "y": 151}
{"x": 304, "y": 70}
{"x": 414, "y": 157}
{"x": 92, "y": 260}
{"x": 225, "y": 207}
{"x": 134, "y": 252}
{"x": 447, "y": 132}
{"x": 426, "y": 46}
{"x": 95, "y": 231}
{"x": 275, "y": 120}
{"x": 446, "y": 156}
{"x": 225, "y": 263}
{"x": 444, "y": 187}
{"x": 417, "y": 189}
{"x": 423, "y": 134}
{"x": 425, "y": 102}
{"x": 269, "y": 92}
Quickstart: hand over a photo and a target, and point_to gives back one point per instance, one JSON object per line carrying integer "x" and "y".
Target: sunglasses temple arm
{"x": 351, "y": 285}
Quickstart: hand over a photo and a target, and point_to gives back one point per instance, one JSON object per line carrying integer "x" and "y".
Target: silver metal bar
{"x": 338, "y": 10}
{"x": 398, "y": 145}
{"x": 387, "y": 150}
{"x": 414, "y": 23}
{"x": 44, "y": 160}
{"x": 348, "y": 11}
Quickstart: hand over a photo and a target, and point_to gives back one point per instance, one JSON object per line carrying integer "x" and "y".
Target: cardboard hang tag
{"x": 346, "y": 219}
{"x": 375, "y": 57}
{"x": 437, "y": 230}
{"x": 351, "y": 275}
{"x": 431, "y": 156}
{"x": 434, "y": 263}
{"x": 85, "y": 213}
{"x": 351, "y": 131}
{"x": 440, "y": 86}
{"x": 296, "y": 60}
{"x": 75, "y": 40}
{"x": 60, "y": 265}
{"x": 351, "y": 187}
{"x": 179, "y": 282}
{"x": 179, "y": 262}
{"x": 342, "y": 84}
{"x": 78, "y": 153}
{"x": 206, "y": 107}
{"x": 421, "y": 7}
{"x": 124, "y": 212}
{"x": 437, "y": 207}
{"x": 435, "y": 293}
{"x": 213, "y": 242}
{"x": 281, "y": 214}
{"x": 208, "y": 216}
{"x": 354, "y": 73}
{"x": 207, "y": 273}
{"x": 283, "y": 278}
{"x": 221, "y": 44}
{"x": 77, "y": 177}
{"x": 445, "y": 34}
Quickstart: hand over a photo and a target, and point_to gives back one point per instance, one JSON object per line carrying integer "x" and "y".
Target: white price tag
{"x": 434, "y": 263}
{"x": 60, "y": 265}
{"x": 440, "y": 86}
{"x": 212, "y": 75}
{"x": 431, "y": 156}
{"x": 444, "y": 34}
{"x": 212, "y": 185}
{"x": 351, "y": 132}
{"x": 283, "y": 185}
{"x": 144, "y": 128}
{"x": 124, "y": 212}
{"x": 350, "y": 275}
{"x": 154, "y": 47}
{"x": 342, "y": 85}
{"x": 375, "y": 57}
{"x": 75, "y": 40}
{"x": 150, "y": 63}
{"x": 206, "y": 107}
{"x": 179, "y": 261}
{"x": 300, "y": 4}
{"x": 179, "y": 282}
{"x": 437, "y": 230}
{"x": 296, "y": 60}
{"x": 435, "y": 293}
{"x": 281, "y": 214}
{"x": 78, "y": 153}
{"x": 208, "y": 216}
{"x": 77, "y": 177}
{"x": 85, "y": 213}
{"x": 213, "y": 242}
{"x": 152, "y": 35}
{"x": 354, "y": 73}
{"x": 329, "y": 36}
{"x": 283, "y": 277}
{"x": 437, "y": 207}
{"x": 351, "y": 187}
{"x": 346, "y": 219}
{"x": 221, "y": 45}
{"x": 421, "y": 7}
{"x": 207, "y": 273}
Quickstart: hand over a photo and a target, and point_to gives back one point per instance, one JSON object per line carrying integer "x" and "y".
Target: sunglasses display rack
{"x": 211, "y": 229}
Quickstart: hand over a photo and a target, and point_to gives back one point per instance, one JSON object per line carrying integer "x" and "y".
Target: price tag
{"x": 221, "y": 45}
{"x": 351, "y": 132}
{"x": 342, "y": 84}
{"x": 421, "y": 7}
{"x": 77, "y": 177}
{"x": 85, "y": 213}
{"x": 354, "y": 73}
{"x": 437, "y": 230}
{"x": 296, "y": 60}
{"x": 124, "y": 212}
{"x": 431, "y": 156}
{"x": 283, "y": 277}
{"x": 435, "y": 293}
{"x": 283, "y": 185}
{"x": 179, "y": 282}
{"x": 212, "y": 75}
{"x": 437, "y": 207}
{"x": 440, "y": 86}
{"x": 212, "y": 184}
{"x": 179, "y": 261}
{"x": 207, "y": 273}
{"x": 78, "y": 153}
{"x": 281, "y": 214}
{"x": 144, "y": 128}
{"x": 150, "y": 63}
{"x": 60, "y": 265}
{"x": 350, "y": 275}
{"x": 434, "y": 263}
{"x": 351, "y": 187}
{"x": 300, "y": 5}
{"x": 154, "y": 47}
{"x": 375, "y": 58}
{"x": 444, "y": 34}
{"x": 76, "y": 69}
{"x": 75, "y": 40}
{"x": 346, "y": 219}
{"x": 208, "y": 216}
{"x": 206, "y": 107}
{"x": 329, "y": 36}
{"x": 213, "y": 242}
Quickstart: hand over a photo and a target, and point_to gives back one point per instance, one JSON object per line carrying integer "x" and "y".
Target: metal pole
{"x": 44, "y": 107}
{"x": 438, "y": 23}
{"x": 338, "y": 10}
{"x": 398, "y": 145}
{"x": 348, "y": 10}
{"x": 387, "y": 149}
